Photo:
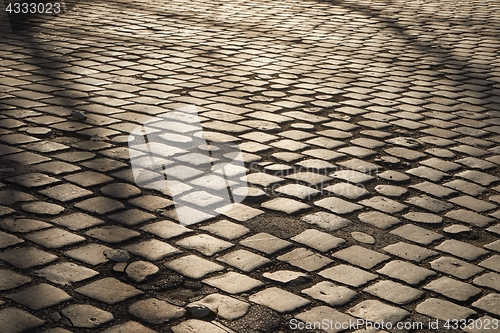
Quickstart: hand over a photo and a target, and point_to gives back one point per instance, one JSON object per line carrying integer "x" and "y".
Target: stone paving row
{"x": 370, "y": 136}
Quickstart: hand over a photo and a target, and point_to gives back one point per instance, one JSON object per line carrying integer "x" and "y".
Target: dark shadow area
{"x": 27, "y": 14}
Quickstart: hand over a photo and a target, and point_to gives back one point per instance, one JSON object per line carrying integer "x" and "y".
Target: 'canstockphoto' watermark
{"x": 203, "y": 172}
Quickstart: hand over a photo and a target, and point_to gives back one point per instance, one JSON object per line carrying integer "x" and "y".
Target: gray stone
{"x": 330, "y": 293}
{"x": 444, "y": 310}
{"x": 155, "y": 311}
{"x": 140, "y": 271}
{"x": 376, "y": 311}
{"x": 87, "y": 316}
{"x": 109, "y": 290}
{"x": 279, "y": 300}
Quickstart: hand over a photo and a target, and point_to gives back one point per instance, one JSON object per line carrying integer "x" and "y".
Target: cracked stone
{"x": 225, "y": 306}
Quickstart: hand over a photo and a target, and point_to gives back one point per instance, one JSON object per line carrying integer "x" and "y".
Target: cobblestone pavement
{"x": 370, "y": 131}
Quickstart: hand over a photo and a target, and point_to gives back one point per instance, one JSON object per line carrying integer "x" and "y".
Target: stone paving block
{"x": 318, "y": 314}
{"x": 461, "y": 249}
{"x": 244, "y": 260}
{"x": 429, "y": 203}
{"x": 266, "y": 243}
{"x": 383, "y": 204}
{"x": 99, "y": 205}
{"x": 394, "y": 176}
{"x": 318, "y": 240}
{"x": 348, "y": 275}
{"x": 26, "y": 257}
{"x": 7, "y": 240}
{"x": 473, "y": 203}
{"x": 27, "y": 158}
{"x": 15, "y": 320}
{"x": 40, "y": 296}
{"x": 10, "y": 279}
{"x": 409, "y": 251}
{"x": 330, "y": 293}
{"x": 112, "y": 234}
{"x": 140, "y": 271}
{"x": 33, "y": 180}
{"x": 490, "y": 280}
{"x": 394, "y": 292}
{"x": 109, "y": 290}
{"x": 405, "y": 271}
{"x": 326, "y": 221}
{"x": 453, "y": 289}
{"x": 338, "y": 206}
{"x": 155, "y": 311}
{"x": 466, "y": 187}
{"x": 193, "y": 266}
{"x": 42, "y": 208}
{"x": 131, "y": 217}
{"x": 239, "y": 212}
{"x": 120, "y": 190}
{"x": 347, "y": 190}
{"x": 86, "y": 316}
{"x": 424, "y": 218}
{"x": 195, "y": 325}
{"x": 288, "y": 206}
{"x": 152, "y": 249}
{"x": 444, "y": 310}
{"x": 205, "y": 244}
{"x": 55, "y": 238}
{"x": 489, "y": 303}
{"x": 455, "y": 267}
{"x": 361, "y": 256}
{"x": 66, "y": 192}
{"x": 88, "y": 178}
{"x": 279, "y": 300}
{"x": 298, "y": 191}
{"x": 433, "y": 189}
{"x": 469, "y": 217}
{"x": 375, "y": 311}
{"x": 310, "y": 178}
{"x": 416, "y": 234}
{"x": 378, "y": 219}
{"x": 226, "y": 229}
{"x": 77, "y": 221}
{"x": 166, "y": 229}
{"x": 233, "y": 283}
{"x": 305, "y": 259}
{"x": 129, "y": 326}
{"x": 92, "y": 254}
{"x": 225, "y": 306}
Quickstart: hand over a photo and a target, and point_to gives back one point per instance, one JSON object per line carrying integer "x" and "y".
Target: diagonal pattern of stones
{"x": 370, "y": 132}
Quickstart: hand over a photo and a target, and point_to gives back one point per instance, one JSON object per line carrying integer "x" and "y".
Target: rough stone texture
{"x": 330, "y": 293}
{"x": 155, "y": 311}
{"x": 233, "y": 283}
{"x": 109, "y": 290}
{"x": 87, "y": 316}
{"x": 40, "y": 296}
{"x": 444, "y": 310}
{"x": 376, "y": 311}
{"x": 279, "y": 300}
{"x": 14, "y": 320}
